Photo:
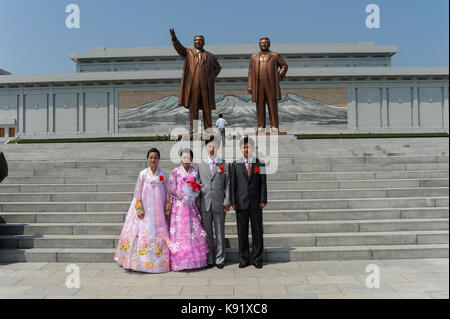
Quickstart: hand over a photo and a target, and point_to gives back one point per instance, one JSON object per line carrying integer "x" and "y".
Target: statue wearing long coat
{"x": 209, "y": 68}
{"x": 274, "y": 62}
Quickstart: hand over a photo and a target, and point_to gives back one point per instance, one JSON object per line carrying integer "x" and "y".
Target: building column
{"x": 51, "y": 112}
{"x": 445, "y": 106}
{"x": 116, "y": 111}
{"x": 415, "y": 106}
{"x": 384, "y": 107}
{"x": 21, "y": 113}
{"x": 80, "y": 120}
{"x": 351, "y": 109}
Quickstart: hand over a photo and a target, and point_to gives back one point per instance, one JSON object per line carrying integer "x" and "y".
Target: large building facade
{"x": 349, "y": 87}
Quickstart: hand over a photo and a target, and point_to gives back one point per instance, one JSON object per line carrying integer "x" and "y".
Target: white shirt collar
{"x": 215, "y": 160}
{"x": 248, "y": 160}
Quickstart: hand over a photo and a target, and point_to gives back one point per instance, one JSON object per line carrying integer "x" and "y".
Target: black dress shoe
{"x": 243, "y": 265}
{"x": 209, "y": 266}
{"x": 259, "y": 266}
{"x": 220, "y": 266}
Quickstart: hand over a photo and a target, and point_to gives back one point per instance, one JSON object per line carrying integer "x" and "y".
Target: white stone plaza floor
{"x": 399, "y": 278}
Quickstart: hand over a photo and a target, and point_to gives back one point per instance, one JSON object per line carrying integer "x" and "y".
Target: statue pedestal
{"x": 267, "y": 133}
{"x": 197, "y": 136}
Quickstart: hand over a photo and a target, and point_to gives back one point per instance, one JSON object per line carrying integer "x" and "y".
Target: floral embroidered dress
{"x": 188, "y": 242}
{"x": 143, "y": 244}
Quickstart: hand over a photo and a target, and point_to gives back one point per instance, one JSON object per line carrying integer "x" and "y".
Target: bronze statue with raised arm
{"x": 264, "y": 83}
{"x": 197, "y": 82}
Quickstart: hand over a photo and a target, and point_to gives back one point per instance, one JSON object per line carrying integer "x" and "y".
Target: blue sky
{"x": 34, "y": 38}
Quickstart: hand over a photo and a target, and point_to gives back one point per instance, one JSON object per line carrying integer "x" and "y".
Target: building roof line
{"x": 3, "y": 72}
{"x": 225, "y": 73}
{"x": 238, "y": 49}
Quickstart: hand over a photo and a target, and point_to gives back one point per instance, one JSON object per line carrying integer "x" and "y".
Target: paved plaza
{"x": 399, "y": 278}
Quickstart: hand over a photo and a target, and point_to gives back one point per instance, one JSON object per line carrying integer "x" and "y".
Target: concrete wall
{"x": 373, "y": 106}
{"x": 399, "y": 107}
{"x": 60, "y": 111}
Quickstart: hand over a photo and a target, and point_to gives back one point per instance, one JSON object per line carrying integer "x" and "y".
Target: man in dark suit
{"x": 3, "y": 167}
{"x": 249, "y": 197}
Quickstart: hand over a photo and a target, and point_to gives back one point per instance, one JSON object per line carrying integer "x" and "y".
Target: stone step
{"x": 139, "y": 164}
{"x": 279, "y": 177}
{"x": 84, "y": 155}
{"x": 269, "y": 215}
{"x": 271, "y": 254}
{"x": 365, "y": 252}
{"x": 293, "y": 169}
{"x": 272, "y": 195}
{"x": 283, "y": 204}
{"x": 271, "y": 240}
{"x": 271, "y": 227}
{"x": 271, "y": 185}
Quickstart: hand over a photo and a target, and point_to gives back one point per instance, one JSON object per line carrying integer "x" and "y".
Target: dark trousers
{"x": 265, "y": 97}
{"x": 197, "y": 100}
{"x": 255, "y": 217}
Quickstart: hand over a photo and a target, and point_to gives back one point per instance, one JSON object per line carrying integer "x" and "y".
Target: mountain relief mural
{"x": 238, "y": 110}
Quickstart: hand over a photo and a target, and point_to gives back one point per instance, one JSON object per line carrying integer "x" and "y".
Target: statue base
{"x": 267, "y": 133}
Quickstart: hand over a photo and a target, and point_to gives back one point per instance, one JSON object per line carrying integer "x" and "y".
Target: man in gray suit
{"x": 214, "y": 200}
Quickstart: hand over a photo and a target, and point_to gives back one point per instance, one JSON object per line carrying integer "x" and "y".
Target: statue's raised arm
{"x": 177, "y": 45}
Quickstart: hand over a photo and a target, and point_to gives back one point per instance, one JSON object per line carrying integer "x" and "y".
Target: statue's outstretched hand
{"x": 172, "y": 33}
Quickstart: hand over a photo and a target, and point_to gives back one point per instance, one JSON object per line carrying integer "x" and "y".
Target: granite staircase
{"x": 329, "y": 200}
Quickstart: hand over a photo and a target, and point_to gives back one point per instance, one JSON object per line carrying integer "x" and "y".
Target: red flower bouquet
{"x": 196, "y": 187}
{"x": 191, "y": 191}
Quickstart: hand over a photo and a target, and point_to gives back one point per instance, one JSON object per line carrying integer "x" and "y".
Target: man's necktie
{"x": 211, "y": 167}
{"x": 199, "y": 57}
{"x": 247, "y": 165}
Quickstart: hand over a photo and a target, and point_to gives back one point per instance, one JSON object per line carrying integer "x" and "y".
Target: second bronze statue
{"x": 197, "y": 82}
{"x": 264, "y": 83}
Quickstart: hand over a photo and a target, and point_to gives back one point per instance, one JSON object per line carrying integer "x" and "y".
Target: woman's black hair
{"x": 187, "y": 150}
{"x": 153, "y": 150}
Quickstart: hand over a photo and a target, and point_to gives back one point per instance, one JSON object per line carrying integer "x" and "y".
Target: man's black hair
{"x": 247, "y": 140}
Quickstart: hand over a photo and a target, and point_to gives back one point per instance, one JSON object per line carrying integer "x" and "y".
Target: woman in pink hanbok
{"x": 143, "y": 244}
{"x": 188, "y": 241}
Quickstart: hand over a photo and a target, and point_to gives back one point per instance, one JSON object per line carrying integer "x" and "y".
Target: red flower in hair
{"x": 161, "y": 178}
{"x": 256, "y": 170}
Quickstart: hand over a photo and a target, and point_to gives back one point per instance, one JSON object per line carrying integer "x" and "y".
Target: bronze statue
{"x": 197, "y": 82}
{"x": 264, "y": 83}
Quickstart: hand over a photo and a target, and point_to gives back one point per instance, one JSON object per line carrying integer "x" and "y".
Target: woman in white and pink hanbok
{"x": 143, "y": 244}
{"x": 188, "y": 241}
